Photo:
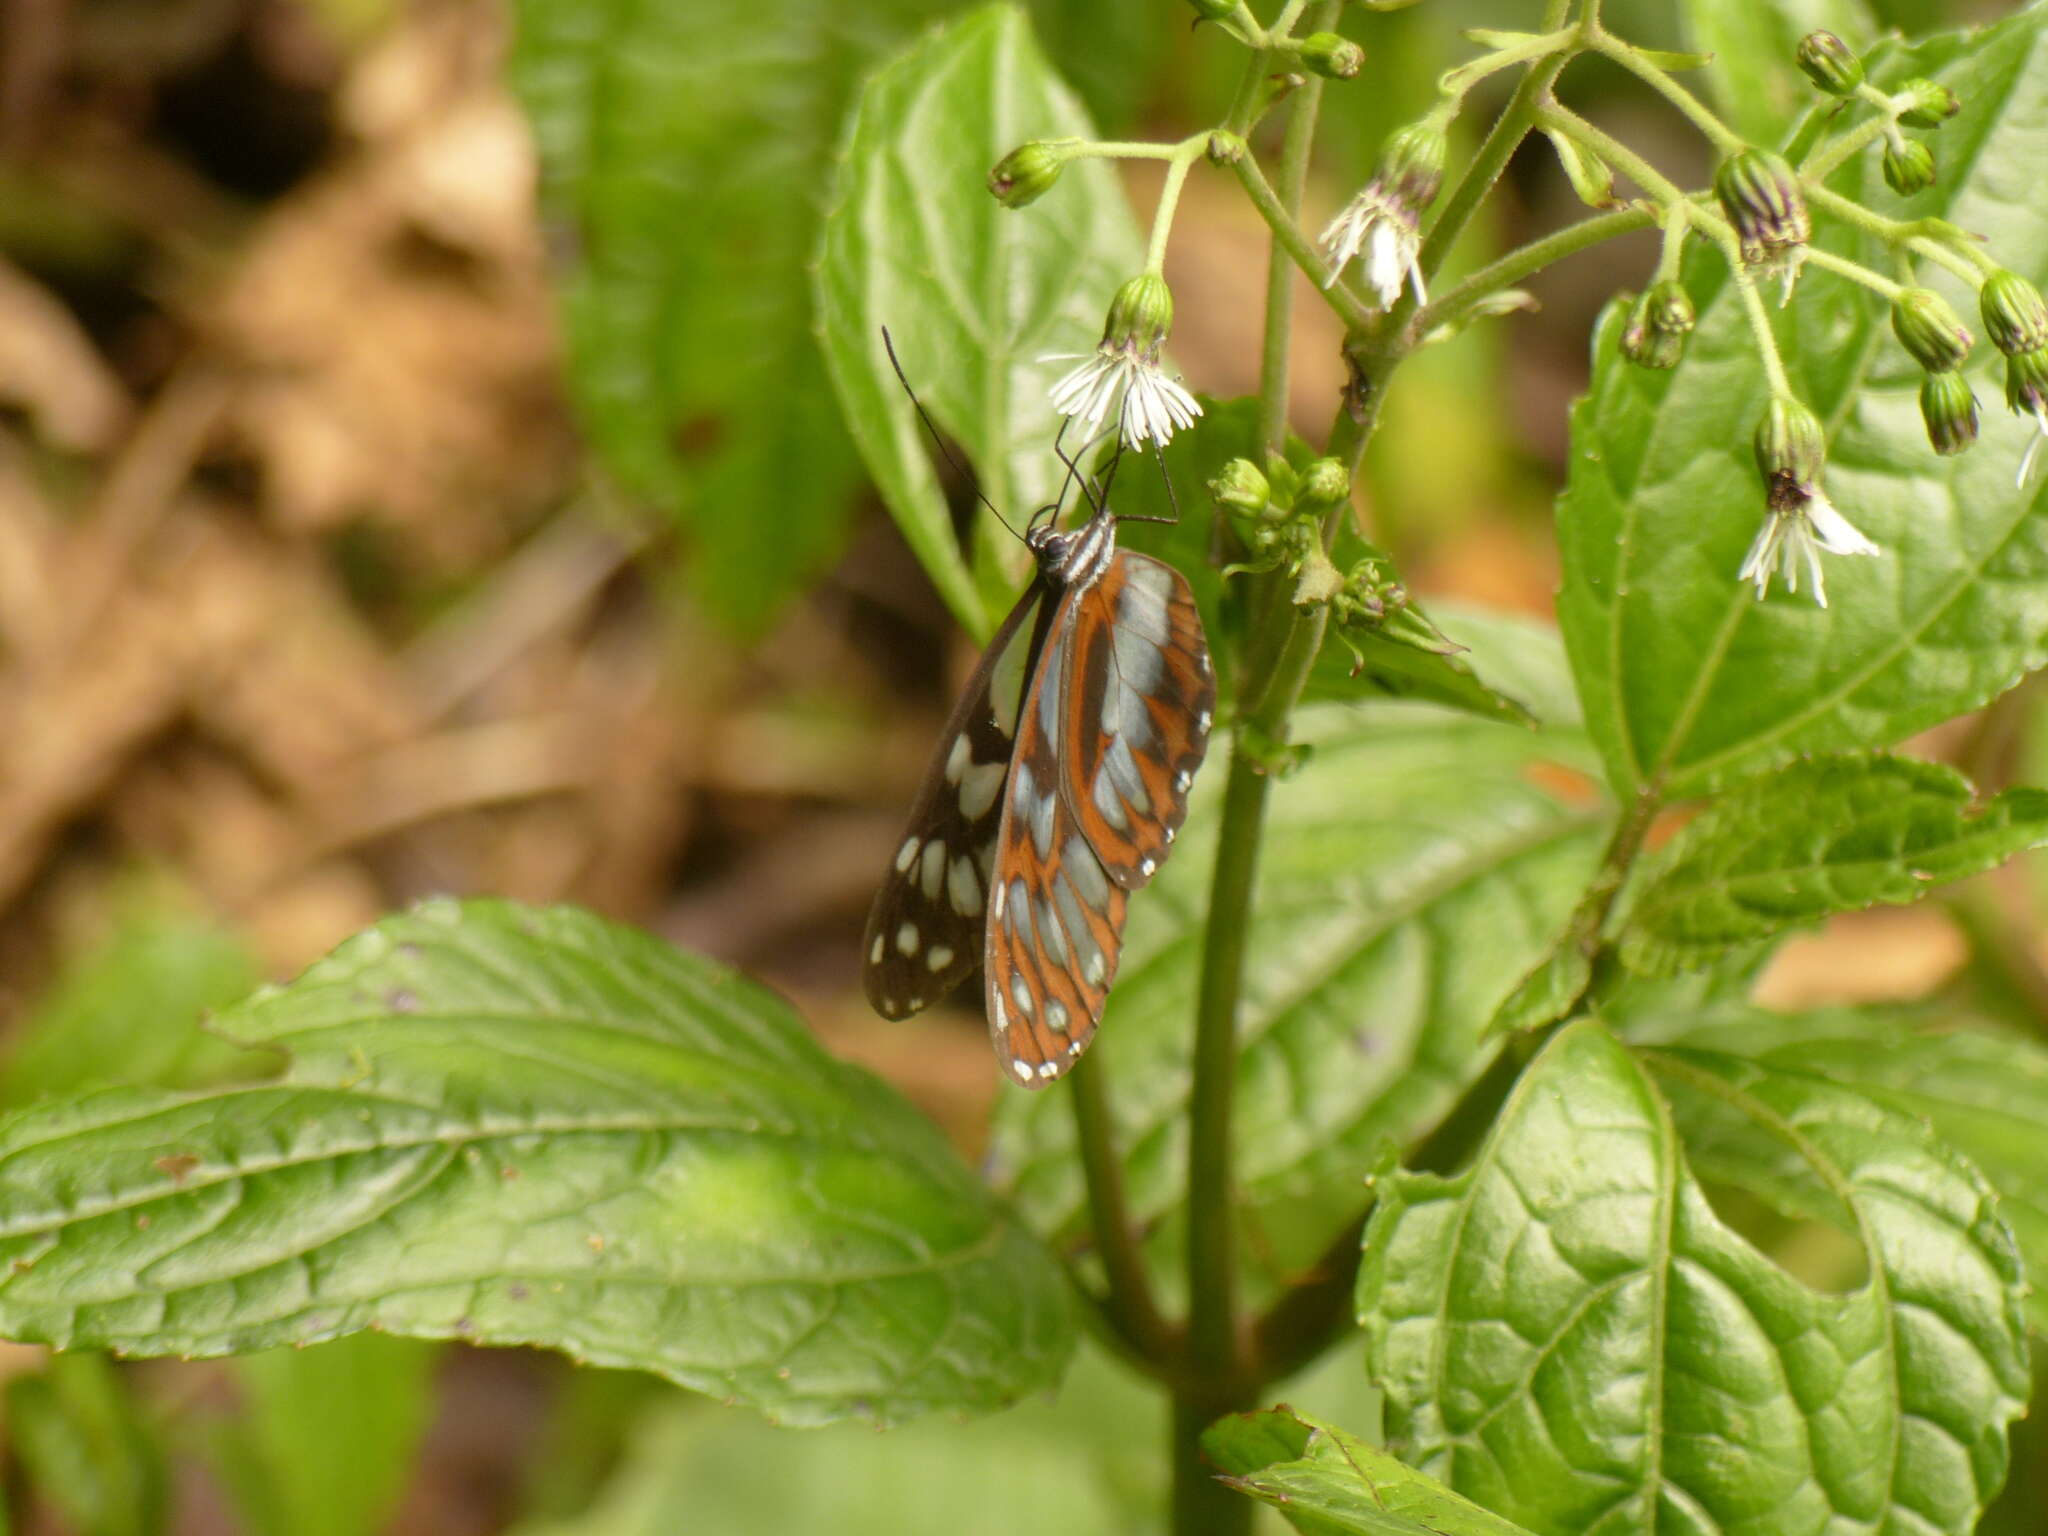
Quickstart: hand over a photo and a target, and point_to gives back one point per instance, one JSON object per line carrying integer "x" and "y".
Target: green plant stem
{"x": 1128, "y": 1306}
{"x": 1753, "y": 307}
{"x": 1287, "y": 231}
{"x": 1517, "y": 264}
{"x": 1215, "y": 1353}
{"x": 1617, "y": 154}
{"x": 1239, "y": 118}
{"x": 1169, "y": 200}
{"x": 1924, "y": 237}
{"x": 1831, "y": 157}
{"x": 1855, "y": 271}
{"x": 1117, "y": 149}
{"x": 1456, "y": 84}
{"x": 1630, "y": 58}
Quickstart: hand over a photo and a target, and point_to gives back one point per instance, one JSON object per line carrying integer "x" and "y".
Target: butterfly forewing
{"x": 1055, "y": 919}
{"x": 924, "y": 933}
{"x": 1138, "y": 697}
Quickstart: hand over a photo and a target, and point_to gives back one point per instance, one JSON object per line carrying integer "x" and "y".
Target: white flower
{"x": 1385, "y": 230}
{"x": 1802, "y": 523}
{"x": 1124, "y": 376}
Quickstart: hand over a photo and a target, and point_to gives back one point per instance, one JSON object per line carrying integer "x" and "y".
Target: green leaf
{"x": 684, "y": 149}
{"x": 977, "y": 296}
{"x": 1754, "y": 80}
{"x": 1984, "y": 1092}
{"x": 74, "y": 1428}
{"x": 1412, "y": 869}
{"x": 326, "y": 1442}
{"x": 1329, "y": 1483}
{"x": 1084, "y": 1465}
{"x": 1519, "y": 655}
{"x": 1568, "y": 1334}
{"x": 128, "y": 1008}
{"x": 1825, "y": 835}
{"x": 1688, "y": 681}
{"x": 511, "y": 1125}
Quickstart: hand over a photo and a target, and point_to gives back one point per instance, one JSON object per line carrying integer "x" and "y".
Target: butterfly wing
{"x": 924, "y": 931}
{"x": 1137, "y": 713}
{"x": 1055, "y": 920}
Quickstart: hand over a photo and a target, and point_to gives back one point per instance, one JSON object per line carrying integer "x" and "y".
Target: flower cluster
{"x": 1801, "y": 523}
{"x": 1122, "y": 376}
{"x": 2016, "y": 319}
{"x": 1382, "y": 224}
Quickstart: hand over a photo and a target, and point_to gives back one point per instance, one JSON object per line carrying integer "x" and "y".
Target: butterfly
{"x": 1056, "y": 790}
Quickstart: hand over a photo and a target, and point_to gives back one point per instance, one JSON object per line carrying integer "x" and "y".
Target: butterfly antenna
{"x": 939, "y": 442}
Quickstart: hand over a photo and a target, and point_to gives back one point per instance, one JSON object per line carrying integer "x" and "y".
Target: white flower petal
{"x": 1834, "y": 532}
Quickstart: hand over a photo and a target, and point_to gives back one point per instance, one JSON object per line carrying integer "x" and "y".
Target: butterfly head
{"x": 1075, "y": 557}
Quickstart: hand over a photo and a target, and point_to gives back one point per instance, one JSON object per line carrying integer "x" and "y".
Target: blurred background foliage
{"x": 417, "y": 474}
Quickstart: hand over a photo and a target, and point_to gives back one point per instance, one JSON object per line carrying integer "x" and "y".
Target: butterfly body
{"x": 1057, "y": 789}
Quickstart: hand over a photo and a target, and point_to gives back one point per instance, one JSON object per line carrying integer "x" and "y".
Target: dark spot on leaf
{"x": 401, "y": 1000}
{"x": 409, "y": 949}
{"x": 697, "y": 437}
{"x": 142, "y": 1222}
{"x": 466, "y": 1327}
{"x": 509, "y": 1173}
{"x": 174, "y": 1166}
{"x": 516, "y": 1291}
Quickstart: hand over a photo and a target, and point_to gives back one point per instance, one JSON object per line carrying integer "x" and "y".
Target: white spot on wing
{"x": 906, "y": 938}
{"x": 956, "y": 760}
{"x": 962, "y": 889}
{"x": 979, "y": 787}
{"x": 931, "y": 871}
{"x": 1020, "y": 994}
{"x": 1056, "y": 1016}
{"x": 905, "y": 855}
{"x": 875, "y": 952}
{"x": 938, "y": 957}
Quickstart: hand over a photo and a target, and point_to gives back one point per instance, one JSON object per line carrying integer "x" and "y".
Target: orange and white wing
{"x": 1055, "y": 917}
{"x": 1137, "y": 711}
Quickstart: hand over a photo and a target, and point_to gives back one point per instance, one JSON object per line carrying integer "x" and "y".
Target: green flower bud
{"x": 1829, "y": 63}
{"x": 1790, "y": 450}
{"x": 1241, "y": 488}
{"x": 1658, "y": 323}
{"x": 1950, "y": 411}
{"x": 1908, "y": 167}
{"x": 1760, "y": 194}
{"x": 1141, "y": 313}
{"x": 2015, "y": 317}
{"x": 1323, "y": 484}
{"x": 1336, "y": 57}
{"x": 2026, "y": 382}
{"x": 1930, "y": 330}
{"x": 1411, "y": 164}
{"x": 1027, "y": 172}
{"x": 1932, "y": 103}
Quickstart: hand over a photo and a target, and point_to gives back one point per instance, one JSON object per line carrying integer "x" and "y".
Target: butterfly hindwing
{"x": 924, "y": 933}
{"x": 1055, "y": 919}
{"x": 1138, "y": 701}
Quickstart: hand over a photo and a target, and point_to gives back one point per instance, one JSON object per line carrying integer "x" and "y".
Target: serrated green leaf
{"x": 978, "y": 297}
{"x": 1412, "y": 869}
{"x": 1817, "y": 837}
{"x": 1569, "y": 1335}
{"x": 1689, "y": 681}
{"x": 526, "y": 1126}
{"x": 1330, "y": 1483}
{"x": 1984, "y": 1092}
{"x": 1753, "y": 76}
{"x": 326, "y": 1439}
{"x": 1550, "y": 992}
{"x": 683, "y": 151}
